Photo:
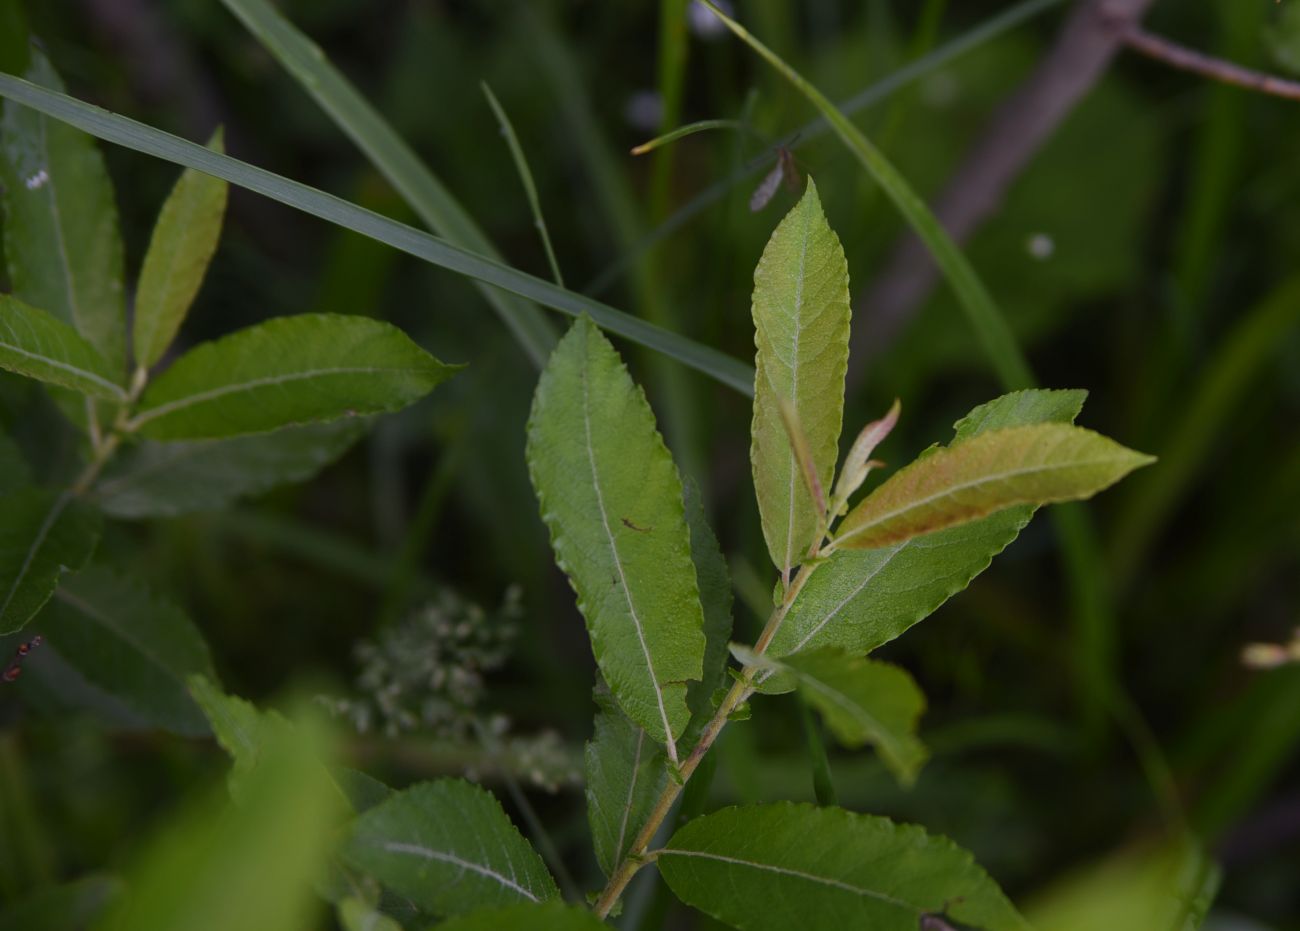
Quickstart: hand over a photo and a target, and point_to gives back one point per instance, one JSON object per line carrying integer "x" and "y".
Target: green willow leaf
{"x": 164, "y": 479}
{"x": 612, "y": 500}
{"x": 626, "y": 770}
{"x": 861, "y": 599}
{"x": 61, "y": 239}
{"x": 801, "y": 322}
{"x": 183, "y": 243}
{"x": 781, "y": 866}
{"x": 43, "y": 533}
{"x": 1036, "y": 464}
{"x": 865, "y": 702}
{"x": 549, "y": 916}
{"x": 132, "y": 644}
{"x": 448, "y": 847}
{"x": 285, "y": 372}
{"x": 1165, "y": 887}
{"x": 41, "y": 346}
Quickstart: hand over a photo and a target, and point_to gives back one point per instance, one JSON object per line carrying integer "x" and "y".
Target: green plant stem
{"x": 737, "y": 695}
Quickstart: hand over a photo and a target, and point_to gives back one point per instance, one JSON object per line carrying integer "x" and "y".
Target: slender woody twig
{"x": 1188, "y": 59}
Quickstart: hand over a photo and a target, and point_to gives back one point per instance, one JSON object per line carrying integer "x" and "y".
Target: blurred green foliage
{"x": 1135, "y": 257}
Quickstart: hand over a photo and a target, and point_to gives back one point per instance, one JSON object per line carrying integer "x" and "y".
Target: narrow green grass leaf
{"x": 774, "y": 867}
{"x": 863, "y": 598}
{"x": 61, "y": 240}
{"x": 995, "y": 26}
{"x": 183, "y": 243}
{"x": 165, "y": 479}
{"x": 132, "y": 644}
{"x": 801, "y": 322}
{"x": 285, "y": 372}
{"x": 690, "y": 129}
{"x": 394, "y": 158}
{"x": 549, "y": 916}
{"x": 626, "y": 770}
{"x": 998, "y": 469}
{"x": 612, "y": 500}
{"x": 525, "y": 178}
{"x": 41, "y": 346}
{"x": 43, "y": 533}
{"x": 448, "y": 847}
{"x": 141, "y": 138}
{"x": 990, "y": 327}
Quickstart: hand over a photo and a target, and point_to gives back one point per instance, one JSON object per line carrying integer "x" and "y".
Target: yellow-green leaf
{"x": 1035, "y": 464}
{"x": 801, "y": 323}
{"x": 183, "y": 241}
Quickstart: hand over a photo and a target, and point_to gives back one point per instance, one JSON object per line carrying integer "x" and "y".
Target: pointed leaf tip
{"x": 1038, "y": 464}
{"x": 801, "y": 322}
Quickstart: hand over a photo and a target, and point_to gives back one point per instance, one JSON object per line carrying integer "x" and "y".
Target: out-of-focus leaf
{"x": 612, "y": 500}
{"x": 1165, "y": 888}
{"x": 997, "y": 469}
{"x": 249, "y": 865}
{"x": 626, "y": 771}
{"x": 548, "y": 916}
{"x": 43, "y": 533}
{"x": 861, "y": 599}
{"x": 184, "y": 240}
{"x": 715, "y": 597}
{"x": 356, "y": 915}
{"x": 780, "y": 866}
{"x": 862, "y": 700}
{"x": 163, "y": 479}
{"x": 61, "y": 242}
{"x": 130, "y": 643}
{"x": 39, "y": 345}
{"x": 285, "y": 372}
{"x": 66, "y": 907}
{"x": 14, "y": 470}
{"x": 448, "y": 847}
{"x": 801, "y": 321}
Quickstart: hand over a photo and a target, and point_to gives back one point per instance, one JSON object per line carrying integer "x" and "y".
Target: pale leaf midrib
{"x": 950, "y": 490}
{"x": 445, "y": 857}
{"x": 797, "y": 874}
{"x": 67, "y": 367}
{"x": 889, "y": 745}
{"x": 106, "y": 621}
{"x": 203, "y": 397}
{"x": 618, "y": 562}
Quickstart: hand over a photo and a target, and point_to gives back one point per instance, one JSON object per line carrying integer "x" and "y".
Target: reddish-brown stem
{"x": 1188, "y": 59}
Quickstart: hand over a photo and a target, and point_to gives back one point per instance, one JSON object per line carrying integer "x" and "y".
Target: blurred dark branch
{"x": 1083, "y": 51}
{"x": 159, "y": 67}
{"x": 1180, "y": 56}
